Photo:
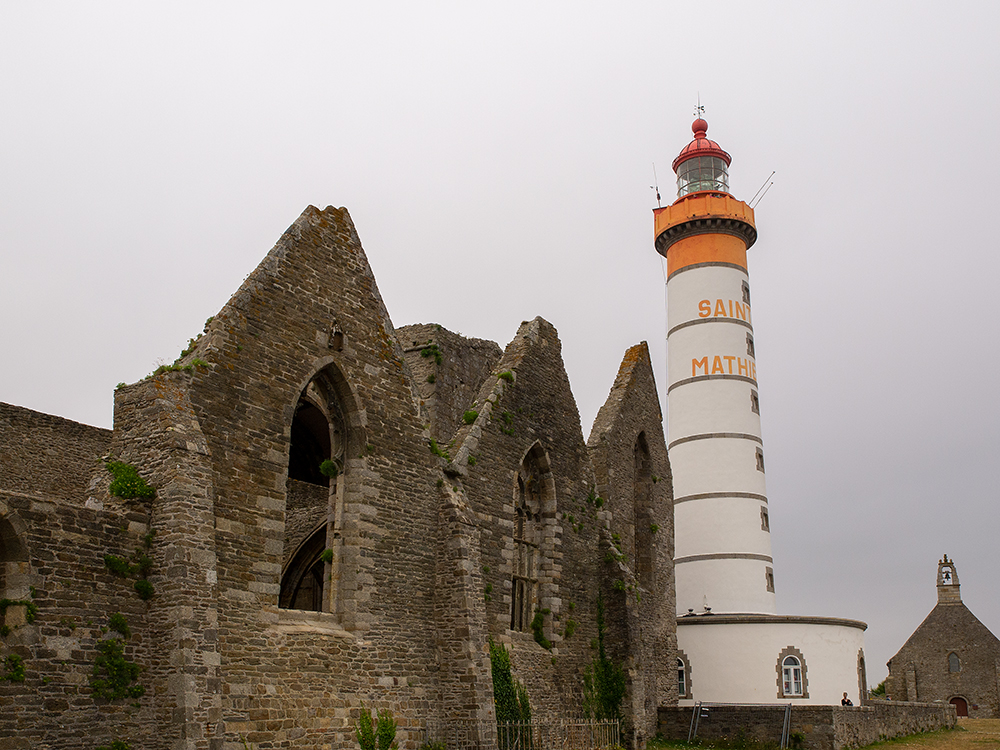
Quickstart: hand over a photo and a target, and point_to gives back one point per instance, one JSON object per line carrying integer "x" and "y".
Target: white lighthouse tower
{"x": 732, "y": 646}
{"x": 723, "y": 554}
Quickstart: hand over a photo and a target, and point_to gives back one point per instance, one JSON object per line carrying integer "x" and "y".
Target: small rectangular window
{"x": 754, "y": 402}
{"x": 750, "y": 346}
{"x": 760, "y": 460}
{"x": 746, "y": 293}
{"x": 769, "y": 574}
{"x": 765, "y": 524}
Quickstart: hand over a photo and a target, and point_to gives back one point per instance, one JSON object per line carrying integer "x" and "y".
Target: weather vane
{"x": 699, "y": 110}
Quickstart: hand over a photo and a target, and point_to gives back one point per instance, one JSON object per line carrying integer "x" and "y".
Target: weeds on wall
{"x": 13, "y": 669}
{"x": 328, "y": 468}
{"x": 470, "y": 416}
{"x": 506, "y": 376}
{"x": 113, "y": 676}
{"x": 30, "y": 608}
{"x": 127, "y": 484}
{"x": 437, "y": 450}
{"x": 538, "y": 629}
{"x": 603, "y": 679}
{"x": 432, "y": 350}
{"x": 378, "y": 732}
{"x": 115, "y": 745}
{"x": 510, "y": 698}
{"x": 141, "y": 565}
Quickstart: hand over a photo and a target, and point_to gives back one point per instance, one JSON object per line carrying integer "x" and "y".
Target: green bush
{"x": 13, "y": 669}
{"x": 603, "y": 679}
{"x": 116, "y": 745}
{"x": 538, "y": 628}
{"x": 119, "y": 624}
{"x": 113, "y": 675}
{"x": 506, "y": 375}
{"x": 376, "y": 734}
{"x": 470, "y": 416}
{"x": 118, "y": 565}
{"x": 144, "y": 589}
{"x": 127, "y": 484}
{"x": 329, "y": 469}
{"x": 510, "y": 697}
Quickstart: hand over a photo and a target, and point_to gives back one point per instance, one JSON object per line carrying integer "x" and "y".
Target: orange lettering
{"x": 717, "y": 366}
{"x": 704, "y": 308}
{"x": 744, "y": 369}
{"x": 696, "y": 363}
{"x": 753, "y": 370}
{"x": 741, "y": 311}
{"x": 730, "y": 308}
{"x": 730, "y": 361}
{"x": 720, "y": 308}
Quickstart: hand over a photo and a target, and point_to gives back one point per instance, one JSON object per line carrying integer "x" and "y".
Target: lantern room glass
{"x": 702, "y": 173}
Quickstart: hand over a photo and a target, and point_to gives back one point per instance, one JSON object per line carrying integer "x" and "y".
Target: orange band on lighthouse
{"x": 706, "y": 248}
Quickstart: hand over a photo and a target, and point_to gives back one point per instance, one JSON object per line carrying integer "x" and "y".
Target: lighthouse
{"x": 732, "y": 645}
{"x": 723, "y": 544}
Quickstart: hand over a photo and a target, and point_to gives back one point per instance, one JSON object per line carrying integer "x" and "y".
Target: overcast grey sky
{"x": 497, "y": 161}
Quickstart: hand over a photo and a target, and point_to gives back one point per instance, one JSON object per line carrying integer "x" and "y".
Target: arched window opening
{"x": 303, "y": 582}
{"x": 534, "y": 500}
{"x": 793, "y": 678}
{"x": 318, "y": 483}
{"x": 642, "y": 493}
{"x": 791, "y": 670}
{"x": 681, "y": 679}
{"x": 13, "y": 570}
{"x": 954, "y": 663}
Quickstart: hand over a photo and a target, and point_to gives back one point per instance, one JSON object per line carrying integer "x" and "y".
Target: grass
{"x": 971, "y": 734}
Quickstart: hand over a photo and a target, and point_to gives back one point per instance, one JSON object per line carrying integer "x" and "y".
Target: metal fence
{"x": 761, "y": 725}
{"x": 576, "y": 734}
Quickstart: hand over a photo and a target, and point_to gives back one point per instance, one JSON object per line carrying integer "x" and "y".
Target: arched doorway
{"x": 961, "y": 706}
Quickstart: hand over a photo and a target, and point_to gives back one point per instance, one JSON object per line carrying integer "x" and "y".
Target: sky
{"x": 497, "y": 161}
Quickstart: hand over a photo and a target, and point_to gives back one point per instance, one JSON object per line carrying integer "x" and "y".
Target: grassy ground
{"x": 971, "y": 734}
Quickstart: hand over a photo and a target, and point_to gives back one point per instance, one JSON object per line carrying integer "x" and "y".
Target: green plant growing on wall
{"x": 878, "y": 689}
{"x": 115, "y": 745}
{"x": 376, "y": 733}
{"x": 538, "y": 629}
{"x": 432, "y": 350}
{"x": 431, "y": 378}
{"x": 329, "y": 468}
{"x": 144, "y": 589}
{"x": 472, "y": 460}
{"x": 118, "y": 565}
{"x": 437, "y": 450}
{"x": 127, "y": 484}
{"x": 119, "y": 624}
{"x": 470, "y": 416}
{"x": 327, "y": 555}
{"x": 114, "y": 676}
{"x": 510, "y": 698}
{"x": 13, "y": 669}
{"x": 603, "y": 679}
{"x": 506, "y": 376}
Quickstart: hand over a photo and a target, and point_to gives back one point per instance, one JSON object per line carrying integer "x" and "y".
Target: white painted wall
{"x": 737, "y": 663}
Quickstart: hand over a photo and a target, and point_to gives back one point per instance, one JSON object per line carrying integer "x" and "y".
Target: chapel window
{"x": 524, "y": 581}
{"x": 954, "y": 663}
{"x": 681, "y": 679}
{"x": 793, "y": 678}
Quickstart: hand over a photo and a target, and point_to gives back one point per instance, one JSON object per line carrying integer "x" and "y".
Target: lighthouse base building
{"x": 733, "y": 647}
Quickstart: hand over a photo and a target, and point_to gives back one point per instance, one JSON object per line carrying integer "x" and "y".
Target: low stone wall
{"x": 821, "y": 727}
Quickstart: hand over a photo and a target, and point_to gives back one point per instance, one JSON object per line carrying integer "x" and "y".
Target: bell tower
{"x": 948, "y": 588}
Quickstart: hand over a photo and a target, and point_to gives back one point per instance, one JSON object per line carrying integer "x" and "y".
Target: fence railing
{"x": 573, "y": 734}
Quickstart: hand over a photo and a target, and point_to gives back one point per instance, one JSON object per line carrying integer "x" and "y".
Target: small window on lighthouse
{"x": 746, "y": 293}
{"x": 791, "y": 672}
{"x": 754, "y": 402}
{"x": 750, "y": 345}
{"x": 769, "y": 577}
{"x": 760, "y": 460}
{"x": 765, "y": 524}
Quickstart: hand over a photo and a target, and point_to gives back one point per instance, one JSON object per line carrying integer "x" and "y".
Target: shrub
{"x": 432, "y": 351}
{"x": 470, "y": 416}
{"x": 603, "y": 680}
{"x": 144, "y": 589}
{"x": 327, "y": 555}
{"x": 114, "y": 676}
{"x": 329, "y": 469}
{"x": 506, "y": 375}
{"x": 376, "y": 734}
{"x": 13, "y": 669}
{"x": 510, "y": 697}
{"x": 119, "y": 624}
{"x": 117, "y": 744}
{"x": 118, "y": 565}
{"x": 127, "y": 484}
{"x": 538, "y": 628}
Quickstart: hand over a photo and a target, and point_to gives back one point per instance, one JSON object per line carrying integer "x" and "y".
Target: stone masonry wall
{"x": 821, "y": 727}
{"x": 920, "y": 671}
{"x": 449, "y": 388}
{"x": 640, "y": 500}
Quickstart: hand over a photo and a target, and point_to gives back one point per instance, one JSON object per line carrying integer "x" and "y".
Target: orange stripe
{"x": 706, "y": 248}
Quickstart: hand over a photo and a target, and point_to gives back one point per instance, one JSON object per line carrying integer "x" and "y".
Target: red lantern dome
{"x": 702, "y": 164}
